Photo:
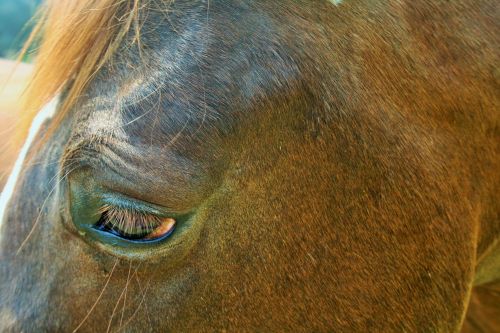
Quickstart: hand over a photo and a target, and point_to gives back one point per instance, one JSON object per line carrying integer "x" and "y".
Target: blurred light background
{"x": 15, "y": 26}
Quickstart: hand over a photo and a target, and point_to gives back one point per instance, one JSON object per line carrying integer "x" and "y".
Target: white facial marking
{"x": 46, "y": 113}
{"x": 336, "y": 2}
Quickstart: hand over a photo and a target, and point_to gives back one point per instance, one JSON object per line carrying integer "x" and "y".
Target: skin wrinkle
{"x": 184, "y": 179}
{"x": 341, "y": 163}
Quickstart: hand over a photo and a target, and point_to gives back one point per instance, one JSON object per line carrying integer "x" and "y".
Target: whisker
{"x": 116, "y": 306}
{"x": 98, "y": 298}
{"x": 156, "y": 119}
{"x": 138, "y": 306}
{"x": 114, "y": 310}
{"x": 145, "y": 304}
{"x": 25, "y": 241}
{"x": 126, "y": 290}
{"x": 205, "y": 104}
{"x": 56, "y": 161}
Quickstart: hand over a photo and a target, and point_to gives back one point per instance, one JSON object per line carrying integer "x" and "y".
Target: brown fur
{"x": 342, "y": 161}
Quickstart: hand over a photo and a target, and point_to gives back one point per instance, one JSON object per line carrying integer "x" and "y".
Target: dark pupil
{"x": 108, "y": 225}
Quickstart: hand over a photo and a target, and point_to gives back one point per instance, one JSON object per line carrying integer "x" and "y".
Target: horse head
{"x": 244, "y": 166}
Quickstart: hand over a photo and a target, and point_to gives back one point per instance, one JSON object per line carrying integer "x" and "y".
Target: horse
{"x": 257, "y": 166}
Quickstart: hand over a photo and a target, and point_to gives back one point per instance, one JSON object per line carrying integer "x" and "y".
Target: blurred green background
{"x": 15, "y": 25}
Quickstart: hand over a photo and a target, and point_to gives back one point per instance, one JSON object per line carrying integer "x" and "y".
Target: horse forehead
{"x": 117, "y": 100}
{"x": 175, "y": 76}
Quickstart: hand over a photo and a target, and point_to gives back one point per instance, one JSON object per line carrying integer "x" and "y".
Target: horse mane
{"x": 75, "y": 39}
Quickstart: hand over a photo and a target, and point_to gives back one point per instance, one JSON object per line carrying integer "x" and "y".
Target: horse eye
{"x": 134, "y": 225}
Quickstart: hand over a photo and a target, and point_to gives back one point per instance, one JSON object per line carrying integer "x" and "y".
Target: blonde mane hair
{"x": 75, "y": 39}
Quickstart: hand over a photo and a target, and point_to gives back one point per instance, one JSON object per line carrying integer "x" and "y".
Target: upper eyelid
{"x": 182, "y": 186}
{"x": 110, "y": 208}
{"x": 119, "y": 201}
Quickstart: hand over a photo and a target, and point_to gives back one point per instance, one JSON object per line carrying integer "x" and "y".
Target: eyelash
{"x": 127, "y": 223}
